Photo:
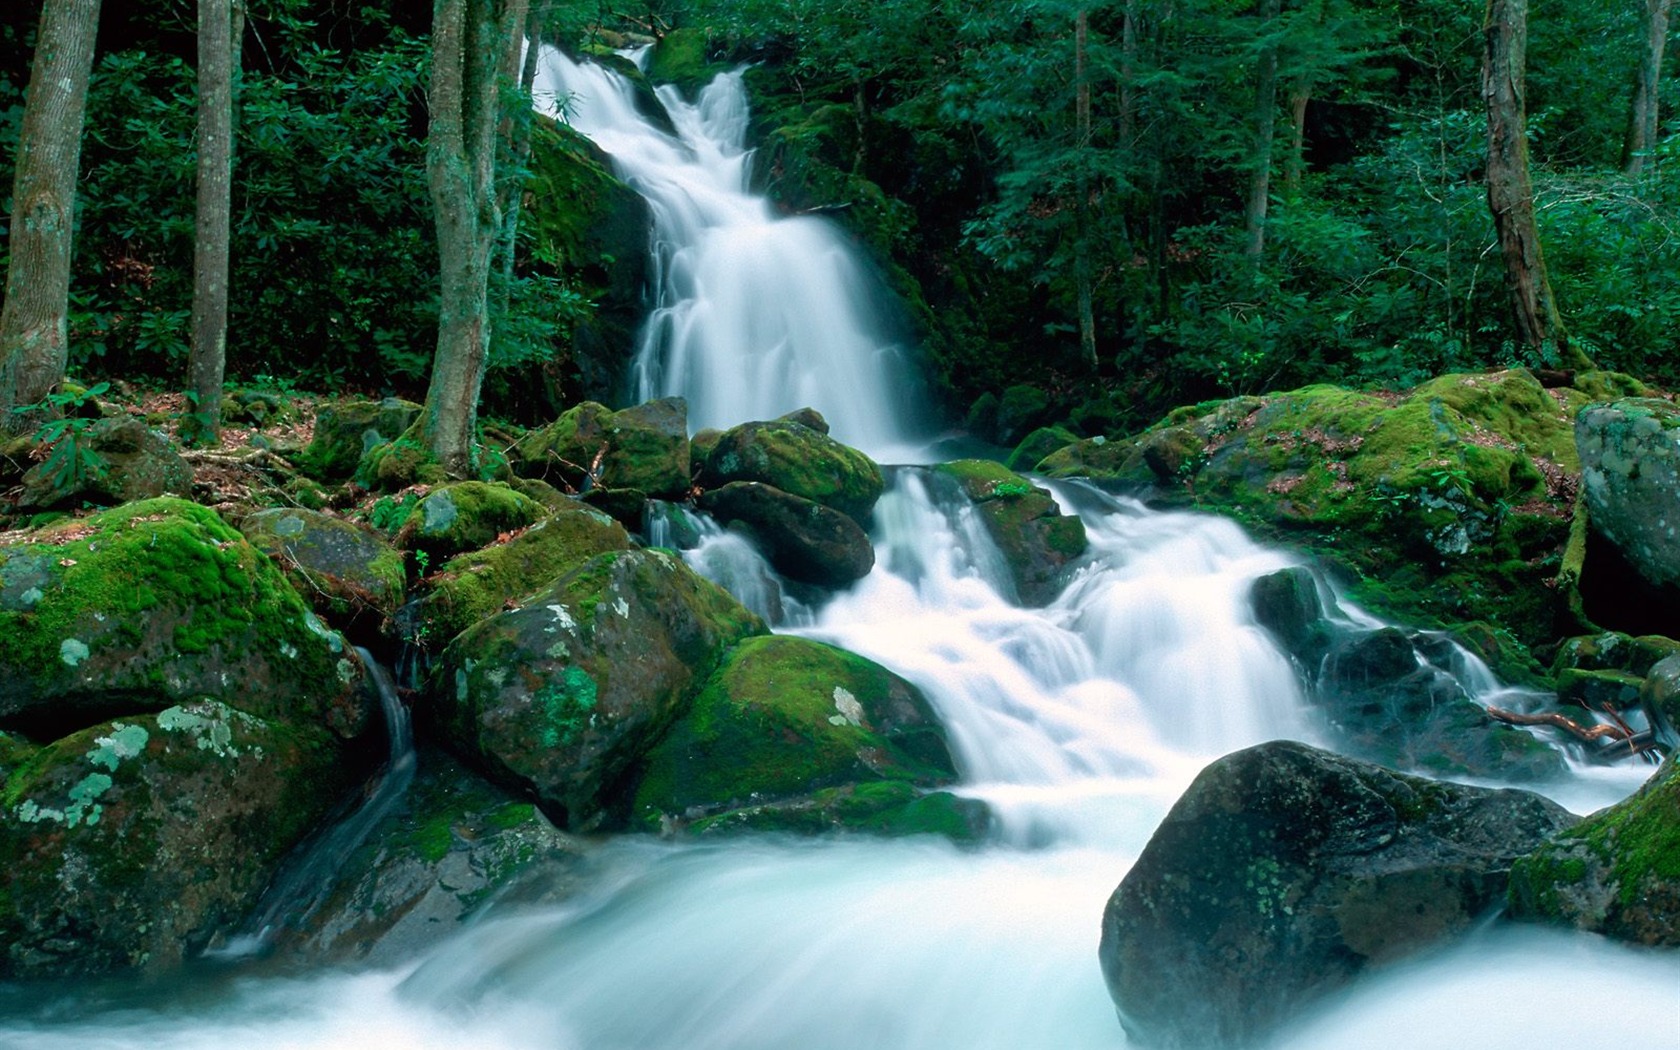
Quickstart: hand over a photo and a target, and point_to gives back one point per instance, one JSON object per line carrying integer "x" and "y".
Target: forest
{"x": 1121, "y": 206}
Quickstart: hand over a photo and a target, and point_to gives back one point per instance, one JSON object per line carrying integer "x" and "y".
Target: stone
{"x": 1286, "y": 603}
{"x": 1286, "y": 872}
{"x": 1630, "y": 478}
{"x": 1036, "y": 539}
{"x": 589, "y": 446}
{"x": 345, "y": 431}
{"x": 114, "y": 461}
{"x": 801, "y": 462}
{"x": 1038, "y": 444}
{"x": 347, "y": 572}
{"x": 802, "y": 540}
{"x": 465, "y": 516}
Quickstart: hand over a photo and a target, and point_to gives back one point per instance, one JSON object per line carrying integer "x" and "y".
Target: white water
{"x": 755, "y": 315}
{"x": 1079, "y": 724}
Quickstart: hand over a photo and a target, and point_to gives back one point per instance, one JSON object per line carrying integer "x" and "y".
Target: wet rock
{"x": 465, "y": 516}
{"x": 1286, "y": 603}
{"x": 1285, "y": 872}
{"x": 800, "y": 461}
{"x": 783, "y": 718}
{"x": 1038, "y": 444}
{"x": 345, "y": 431}
{"x": 1630, "y": 478}
{"x": 803, "y": 540}
{"x": 1036, "y": 539}
{"x": 1020, "y": 409}
{"x": 1659, "y": 695}
{"x": 347, "y": 572}
{"x": 893, "y": 808}
{"x": 128, "y": 844}
{"x": 559, "y": 698}
{"x": 113, "y": 461}
{"x": 1616, "y": 873}
{"x": 644, "y": 448}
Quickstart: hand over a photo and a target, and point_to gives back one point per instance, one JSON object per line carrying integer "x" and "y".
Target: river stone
{"x": 347, "y": 572}
{"x": 803, "y": 540}
{"x": 1036, "y": 539}
{"x": 799, "y": 460}
{"x": 130, "y": 461}
{"x": 1616, "y": 873}
{"x": 345, "y": 431}
{"x": 1287, "y": 604}
{"x": 478, "y": 585}
{"x": 643, "y": 448}
{"x": 1630, "y": 478}
{"x": 1659, "y": 695}
{"x": 559, "y": 698}
{"x": 785, "y": 717}
{"x": 129, "y": 843}
{"x": 465, "y": 516}
{"x": 1040, "y": 443}
{"x": 158, "y": 603}
{"x": 1284, "y": 872}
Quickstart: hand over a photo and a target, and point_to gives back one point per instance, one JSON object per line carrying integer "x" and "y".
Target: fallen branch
{"x": 252, "y": 458}
{"x": 1586, "y": 734}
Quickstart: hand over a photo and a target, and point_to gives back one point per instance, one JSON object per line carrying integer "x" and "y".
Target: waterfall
{"x": 755, "y": 315}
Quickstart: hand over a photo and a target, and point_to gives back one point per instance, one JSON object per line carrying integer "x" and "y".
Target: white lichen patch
{"x": 210, "y": 724}
{"x": 83, "y": 808}
{"x": 125, "y": 741}
{"x": 316, "y": 627}
{"x": 562, "y": 618}
{"x": 72, "y": 651}
{"x": 851, "y": 712}
{"x": 346, "y": 671}
{"x": 622, "y": 607}
{"x": 461, "y": 690}
{"x": 288, "y": 650}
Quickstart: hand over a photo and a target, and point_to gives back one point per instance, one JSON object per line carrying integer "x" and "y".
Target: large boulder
{"x": 644, "y": 448}
{"x": 800, "y": 460}
{"x": 473, "y": 587}
{"x": 1036, "y": 539}
{"x": 803, "y": 540}
{"x": 1616, "y": 873}
{"x": 783, "y": 718}
{"x": 345, "y": 431}
{"x": 560, "y": 697}
{"x": 1284, "y": 873}
{"x": 465, "y": 516}
{"x": 159, "y": 603}
{"x": 1630, "y": 478}
{"x": 347, "y": 572}
{"x": 113, "y": 461}
{"x": 128, "y": 844}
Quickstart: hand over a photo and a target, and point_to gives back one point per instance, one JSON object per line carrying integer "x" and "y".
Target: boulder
{"x": 892, "y": 808}
{"x": 473, "y": 587}
{"x": 1020, "y": 409}
{"x": 1284, "y": 872}
{"x": 1616, "y": 873}
{"x": 113, "y": 461}
{"x": 560, "y": 697}
{"x": 159, "y": 603}
{"x": 1038, "y": 444}
{"x": 345, "y": 431}
{"x": 347, "y": 572}
{"x": 800, "y": 461}
{"x": 465, "y": 516}
{"x": 1287, "y": 604}
{"x": 803, "y": 540}
{"x": 644, "y": 448}
{"x": 1630, "y": 478}
{"x": 782, "y": 718}
{"x": 1659, "y": 696}
{"x": 129, "y": 843}
{"x": 1036, "y": 539}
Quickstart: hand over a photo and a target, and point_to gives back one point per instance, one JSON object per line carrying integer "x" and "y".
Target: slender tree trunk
{"x": 1265, "y": 123}
{"x": 474, "y": 43}
{"x": 34, "y": 325}
{"x": 1128, "y": 76}
{"x": 1642, "y": 122}
{"x": 1082, "y": 189}
{"x": 1295, "y": 165}
{"x": 519, "y": 154}
{"x": 1510, "y": 192}
{"x": 218, "y": 48}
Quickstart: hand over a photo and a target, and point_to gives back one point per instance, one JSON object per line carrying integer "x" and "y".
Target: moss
{"x": 680, "y": 58}
{"x": 800, "y": 461}
{"x": 893, "y": 808}
{"x": 466, "y": 516}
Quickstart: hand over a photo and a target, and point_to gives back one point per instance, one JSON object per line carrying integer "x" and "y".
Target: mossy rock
{"x": 1659, "y": 695}
{"x": 157, "y": 603}
{"x": 1630, "y": 480}
{"x": 644, "y": 448}
{"x": 1614, "y": 651}
{"x": 392, "y": 466}
{"x": 465, "y": 516}
{"x": 1616, "y": 873}
{"x": 1036, "y": 539}
{"x": 15, "y": 752}
{"x": 680, "y": 59}
{"x": 257, "y": 408}
{"x": 345, "y": 431}
{"x": 1020, "y": 409}
{"x": 785, "y": 717}
{"x": 478, "y": 585}
{"x": 129, "y": 461}
{"x": 893, "y": 808}
{"x": 802, "y": 540}
{"x": 130, "y": 843}
{"x": 562, "y": 696}
{"x": 1599, "y": 690}
{"x": 1287, "y": 604}
{"x": 1038, "y": 444}
{"x": 348, "y": 573}
{"x": 799, "y": 460}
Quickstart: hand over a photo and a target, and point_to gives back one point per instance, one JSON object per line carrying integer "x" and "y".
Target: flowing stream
{"x": 1079, "y": 724}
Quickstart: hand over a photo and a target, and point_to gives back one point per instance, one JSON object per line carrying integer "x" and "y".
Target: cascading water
{"x": 1079, "y": 724}
{"x": 755, "y": 315}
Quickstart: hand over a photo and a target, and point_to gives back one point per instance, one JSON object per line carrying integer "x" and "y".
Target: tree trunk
{"x": 34, "y": 325}
{"x": 1265, "y": 122}
{"x": 519, "y": 154}
{"x": 1128, "y": 76}
{"x": 1510, "y": 193}
{"x": 1642, "y": 122}
{"x": 473, "y": 43}
{"x": 1295, "y": 166}
{"x": 1082, "y": 190}
{"x": 218, "y": 46}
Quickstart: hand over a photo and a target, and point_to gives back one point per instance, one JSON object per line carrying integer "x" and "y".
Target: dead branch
{"x": 1585, "y": 734}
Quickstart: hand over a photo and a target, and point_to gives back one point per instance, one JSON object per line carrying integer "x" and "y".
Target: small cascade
{"x": 729, "y": 560}
{"x": 308, "y": 877}
{"x": 755, "y": 315}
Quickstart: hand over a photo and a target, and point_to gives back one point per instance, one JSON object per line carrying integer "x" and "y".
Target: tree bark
{"x": 519, "y": 154}
{"x": 34, "y": 324}
{"x": 1642, "y": 121}
{"x": 1510, "y": 192}
{"x": 1265, "y": 123}
{"x": 1295, "y": 165}
{"x": 1082, "y": 189}
{"x": 474, "y": 43}
{"x": 218, "y": 45}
